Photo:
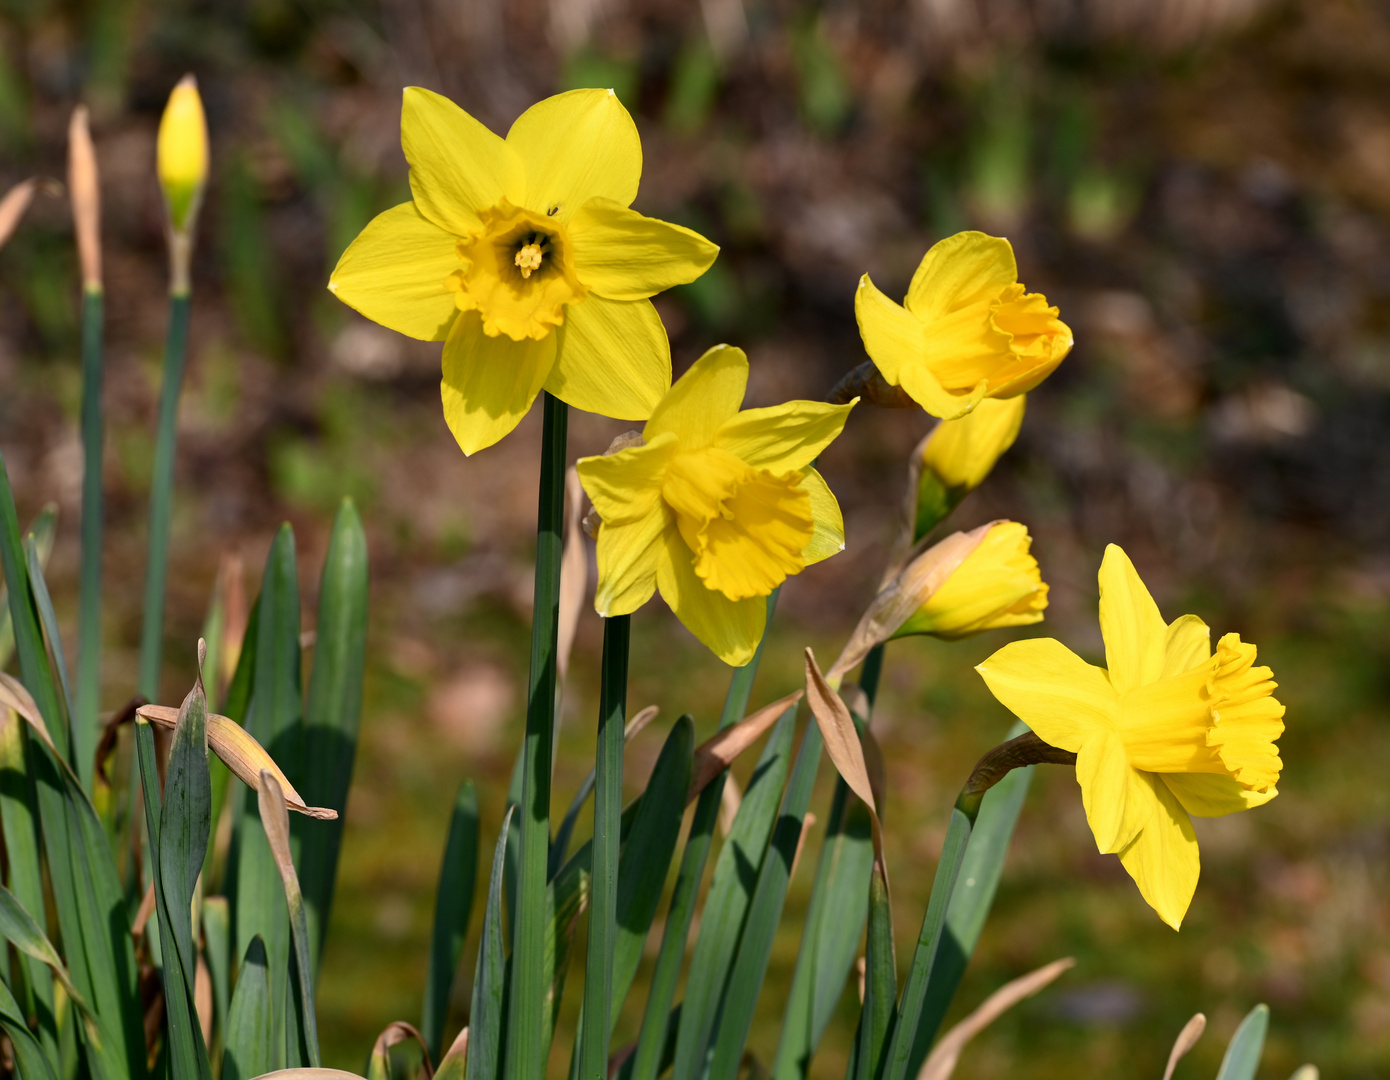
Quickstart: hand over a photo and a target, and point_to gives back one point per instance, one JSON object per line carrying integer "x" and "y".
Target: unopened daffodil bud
{"x": 969, "y": 582}
{"x": 956, "y": 457}
{"x": 182, "y": 152}
{"x": 996, "y": 585}
{"x": 966, "y": 331}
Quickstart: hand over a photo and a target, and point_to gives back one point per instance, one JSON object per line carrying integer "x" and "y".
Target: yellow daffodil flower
{"x": 714, "y": 507}
{"x": 181, "y": 152}
{"x": 996, "y": 585}
{"x": 966, "y": 584}
{"x": 1167, "y": 731}
{"x": 957, "y": 456}
{"x": 968, "y": 331}
{"x": 522, "y": 256}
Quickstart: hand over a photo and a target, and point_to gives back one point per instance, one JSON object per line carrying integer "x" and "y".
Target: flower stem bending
{"x": 162, "y": 495}
{"x": 528, "y": 990}
{"x": 868, "y": 383}
{"x": 608, "y": 812}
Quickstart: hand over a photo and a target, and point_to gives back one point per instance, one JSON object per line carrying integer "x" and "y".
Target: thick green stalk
{"x": 162, "y": 496}
{"x": 608, "y": 812}
{"x": 526, "y": 1017}
{"x": 84, "y": 721}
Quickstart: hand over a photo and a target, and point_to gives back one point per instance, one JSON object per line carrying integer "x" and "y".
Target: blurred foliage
{"x": 1202, "y": 188}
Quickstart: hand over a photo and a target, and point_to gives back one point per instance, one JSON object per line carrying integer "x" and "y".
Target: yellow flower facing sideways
{"x": 714, "y": 507}
{"x": 1168, "y": 729}
{"x": 522, "y": 255}
{"x": 967, "y": 330}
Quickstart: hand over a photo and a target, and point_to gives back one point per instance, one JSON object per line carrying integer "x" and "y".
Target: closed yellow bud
{"x": 183, "y": 153}
{"x": 996, "y": 585}
{"x": 957, "y": 456}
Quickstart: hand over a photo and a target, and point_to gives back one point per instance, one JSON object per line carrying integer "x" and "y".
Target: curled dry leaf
{"x": 574, "y": 572}
{"x": 843, "y": 744}
{"x": 926, "y": 571}
{"x": 1186, "y": 1040}
{"x": 636, "y": 724}
{"x": 730, "y": 799}
{"x": 807, "y": 824}
{"x": 454, "y": 1064}
{"x": 942, "y": 1060}
{"x": 15, "y": 695}
{"x": 202, "y": 998}
{"x": 270, "y": 797}
{"x": 241, "y": 753}
{"x": 398, "y": 1031}
{"x": 716, "y": 754}
{"x": 85, "y": 191}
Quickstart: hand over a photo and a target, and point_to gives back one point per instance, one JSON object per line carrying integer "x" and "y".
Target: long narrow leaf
{"x": 880, "y": 980}
{"x": 250, "y": 1020}
{"x": 30, "y": 1058}
{"x": 332, "y": 712}
{"x": 1242, "y": 1056}
{"x": 728, "y": 900}
{"x": 453, "y": 905}
{"x": 44, "y": 529}
{"x": 217, "y": 945}
{"x": 485, "y": 1040}
{"x": 765, "y": 911}
{"x": 48, "y": 619}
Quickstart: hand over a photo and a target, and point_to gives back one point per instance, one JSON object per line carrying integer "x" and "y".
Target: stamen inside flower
{"x": 516, "y": 271}
{"x": 528, "y": 259}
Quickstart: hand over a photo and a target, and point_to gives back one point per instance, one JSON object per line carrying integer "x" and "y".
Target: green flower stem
{"x": 162, "y": 496}
{"x": 525, "y": 1027}
{"x": 84, "y": 722}
{"x": 603, "y": 888}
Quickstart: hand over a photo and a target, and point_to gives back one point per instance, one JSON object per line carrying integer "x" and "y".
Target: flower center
{"x": 746, "y": 527}
{"x": 516, "y": 271}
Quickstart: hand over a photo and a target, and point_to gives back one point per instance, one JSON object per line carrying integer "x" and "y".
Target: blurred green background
{"x": 1202, "y": 185}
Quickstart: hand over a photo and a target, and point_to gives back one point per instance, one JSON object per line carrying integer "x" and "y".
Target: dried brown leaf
{"x": 13, "y": 206}
{"x": 716, "y": 754}
{"x": 574, "y": 571}
{"x": 729, "y": 801}
{"x": 202, "y": 998}
{"x": 1186, "y": 1040}
{"x": 941, "y": 1063}
{"x": 398, "y": 1031}
{"x": 637, "y": 724}
{"x": 241, "y": 753}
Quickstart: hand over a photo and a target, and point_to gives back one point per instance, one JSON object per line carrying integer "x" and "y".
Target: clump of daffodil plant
{"x": 716, "y": 507}
{"x": 523, "y": 256}
{"x": 1166, "y": 730}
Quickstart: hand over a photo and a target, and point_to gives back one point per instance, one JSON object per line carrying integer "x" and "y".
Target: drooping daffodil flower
{"x": 966, "y": 331}
{"x": 522, "y": 255}
{"x": 1167, "y": 730}
{"x": 714, "y": 506}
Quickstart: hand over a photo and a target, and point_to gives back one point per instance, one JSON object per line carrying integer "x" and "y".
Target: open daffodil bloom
{"x": 713, "y": 506}
{"x": 967, "y": 331}
{"x": 522, "y": 256}
{"x": 1169, "y": 730}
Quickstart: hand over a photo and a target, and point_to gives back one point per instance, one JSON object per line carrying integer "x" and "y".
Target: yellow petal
{"x": 896, "y": 342}
{"x": 1213, "y": 795}
{"x": 1163, "y": 858}
{"x": 962, "y": 452}
{"x": 628, "y": 555}
{"x": 829, "y": 536}
{"x": 702, "y": 399}
{"x": 783, "y": 437}
{"x": 623, "y": 255}
{"x": 613, "y": 358}
{"x": 1135, "y": 633}
{"x": 576, "y": 146}
{"x": 964, "y": 349}
{"x": 1188, "y": 645}
{"x": 1061, "y": 697}
{"x": 731, "y": 629}
{"x": 457, "y": 166}
{"x": 968, "y": 268}
{"x": 1118, "y": 801}
{"x": 626, "y": 486}
{"x": 490, "y": 382}
{"x": 1246, "y": 716}
{"x": 1165, "y": 724}
{"x": 394, "y": 273}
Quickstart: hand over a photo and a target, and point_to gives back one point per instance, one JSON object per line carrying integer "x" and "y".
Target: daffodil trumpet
{"x": 1168, "y": 730}
{"x": 714, "y": 506}
{"x": 966, "y": 331}
{"x": 523, "y": 256}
